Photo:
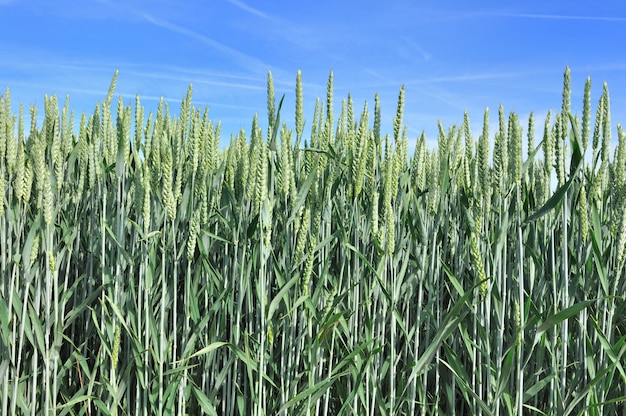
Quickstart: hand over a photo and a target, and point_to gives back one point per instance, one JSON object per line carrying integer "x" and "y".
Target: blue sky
{"x": 451, "y": 56}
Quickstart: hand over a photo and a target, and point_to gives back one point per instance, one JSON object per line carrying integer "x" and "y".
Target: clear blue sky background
{"x": 451, "y": 56}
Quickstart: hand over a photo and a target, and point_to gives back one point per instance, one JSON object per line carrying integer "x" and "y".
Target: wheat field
{"x": 147, "y": 270}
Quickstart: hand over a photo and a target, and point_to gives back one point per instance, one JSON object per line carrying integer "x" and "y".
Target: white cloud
{"x": 248, "y": 9}
{"x": 249, "y": 62}
{"x": 562, "y": 17}
{"x": 412, "y": 48}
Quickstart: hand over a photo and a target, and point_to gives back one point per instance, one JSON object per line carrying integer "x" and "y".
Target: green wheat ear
{"x": 351, "y": 124}
{"x": 504, "y": 146}
{"x": 388, "y": 217}
{"x": 617, "y": 180}
{"x": 308, "y": 269}
{"x": 194, "y": 229}
{"x": 20, "y": 172}
{"x": 515, "y": 149}
{"x": 302, "y": 237}
{"x": 328, "y": 127}
{"x": 28, "y": 182}
{"x": 341, "y": 131}
{"x": 299, "y": 109}
{"x": 9, "y": 124}
{"x": 168, "y": 175}
{"x": 271, "y": 104}
{"x": 484, "y": 173}
{"x": 397, "y": 120}
{"x": 147, "y": 199}
{"x": 567, "y": 92}
{"x": 499, "y": 158}
{"x": 48, "y": 200}
{"x": 261, "y": 176}
{"x": 476, "y": 258}
{"x": 468, "y": 159}
{"x": 285, "y": 173}
{"x": 548, "y": 145}
{"x": 606, "y": 124}
{"x": 418, "y": 163}
{"x": 377, "y": 111}
{"x": 597, "y": 129}
{"x": 586, "y": 127}
{"x": 34, "y": 252}
{"x": 362, "y": 149}
{"x": 117, "y": 341}
{"x": 530, "y": 138}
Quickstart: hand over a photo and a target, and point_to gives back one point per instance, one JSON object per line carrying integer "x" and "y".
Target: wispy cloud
{"x": 562, "y": 17}
{"x": 200, "y": 78}
{"x": 249, "y": 62}
{"x": 469, "y": 77}
{"x": 248, "y": 8}
{"x": 302, "y": 33}
{"x": 412, "y": 48}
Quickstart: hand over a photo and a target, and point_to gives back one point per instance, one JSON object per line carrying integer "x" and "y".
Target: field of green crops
{"x": 146, "y": 270}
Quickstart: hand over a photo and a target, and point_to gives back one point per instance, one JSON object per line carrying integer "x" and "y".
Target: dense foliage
{"x": 145, "y": 270}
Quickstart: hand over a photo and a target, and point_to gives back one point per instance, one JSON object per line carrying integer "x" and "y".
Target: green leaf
{"x": 455, "y": 282}
{"x": 37, "y": 329}
{"x": 598, "y": 258}
{"x": 75, "y": 400}
{"x": 302, "y": 193}
{"x": 102, "y": 408}
{"x": 272, "y": 143}
{"x": 4, "y": 322}
{"x": 204, "y": 401}
{"x": 462, "y": 377}
{"x": 505, "y": 373}
{"x": 537, "y": 387}
{"x": 609, "y": 349}
{"x": 313, "y": 392}
{"x": 280, "y": 295}
{"x": 577, "y": 153}
{"x": 583, "y": 393}
{"x": 450, "y": 322}
{"x": 557, "y": 198}
{"x": 553, "y": 203}
{"x": 211, "y": 347}
{"x": 561, "y": 316}
{"x": 120, "y": 317}
{"x": 530, "y": 160}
